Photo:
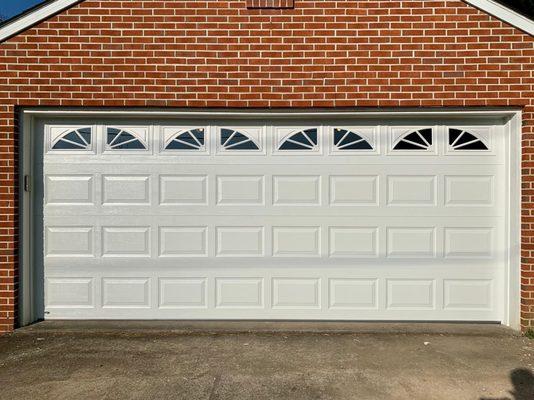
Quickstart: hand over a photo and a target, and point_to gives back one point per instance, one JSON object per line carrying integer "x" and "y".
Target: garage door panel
{"x": 69, "y": 189}
{"x": 67, "y": 292}
{"x": 398, "y": 195}
{"x": 318, "y": 232}
{"x": 69, "y": 241}
{"x": 275, "y": 295}
{"x": 125, "y": 189}
{"x": 282, "y": 237}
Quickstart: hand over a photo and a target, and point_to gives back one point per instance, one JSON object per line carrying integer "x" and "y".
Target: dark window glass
{"x": 347, "y": 140}
{"x": 453, "y": 135}
{"x": 190, "y": 140}
{"x": 122, "y": 140}
{"x": 304, "y": 140}
{"x": 234, "y": 140}
{"x": 417, "y": 140}
{"x": 427, "y": 135}
{"x": 462, "y": 140}
{"x": 79, "y": 139}
{"x": 312, "y": 134}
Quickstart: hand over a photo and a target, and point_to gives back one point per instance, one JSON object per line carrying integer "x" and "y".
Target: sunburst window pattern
{"x": 417, "y": 140}
{"x": 348, "y": 140}
{"x": 77, "y": 139}
{"x": 191, "y": 140}
{"x": 462, "y": 140}
{"x": 234, "y": 140}
{"x": 118, "y": 139}
{"x": 303, "y": 140}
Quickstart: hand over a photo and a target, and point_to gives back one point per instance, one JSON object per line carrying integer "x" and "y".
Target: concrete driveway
{"x": 157, "y": 360}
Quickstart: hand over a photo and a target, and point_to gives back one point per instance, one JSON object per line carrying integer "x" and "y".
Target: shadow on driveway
{"x": 523, "y": 381}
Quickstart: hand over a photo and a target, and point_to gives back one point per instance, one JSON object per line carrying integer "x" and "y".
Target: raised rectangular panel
{"x": 240, "y": 241}
{"x": 69, "y": 293}
{"x": 412, "y": 190}
{"x": 239, "y": 293}
{"x": 467, "y": 294}
{"x": 353, "y": 242}
{"x": 122, "y": 189}
{"x": 296, "y": 241}
{"x": 353, "y": 190}
{"x": 126, "y": 241}
{"x": 411, "y": 242}
{"x": 468, "y": 190}
{"x": 353, "y": 294}
{"x": 468, "y": 242}
{"x": 297, "y": 190}
{"x": 69, "y": 241}
{"x": 126, "y": 292}
{"x": 184, "y": 190}
{"x": 73, "y": 189}
{"x": 240, "y": 190}
{"x": 182, "y": 293}
{"x": 187, "y": 241}
{"x": 410, "y": 294}
{"x": 296, "y": 293}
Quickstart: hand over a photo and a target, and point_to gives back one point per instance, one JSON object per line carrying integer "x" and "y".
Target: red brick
{"x": 217, "y": 53}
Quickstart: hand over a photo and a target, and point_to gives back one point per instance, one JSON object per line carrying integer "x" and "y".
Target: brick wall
{"x": 270, "y": 3}
{"x": 219, "y": 53}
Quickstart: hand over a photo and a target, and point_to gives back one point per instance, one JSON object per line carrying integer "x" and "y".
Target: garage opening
{"x": 271, "y": 218}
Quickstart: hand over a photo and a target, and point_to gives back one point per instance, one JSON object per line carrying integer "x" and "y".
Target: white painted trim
{"x": 512, "y": 312}
{"x": 27, "y": 313}
{"x": 505, "y": 14}
{"x": 512, "y": 119}
{"x": 39, "y": 14}
{"x": 289, "y": 113}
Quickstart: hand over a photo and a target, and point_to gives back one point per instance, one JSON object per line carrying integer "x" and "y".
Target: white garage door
{"x": 274, "y": 219}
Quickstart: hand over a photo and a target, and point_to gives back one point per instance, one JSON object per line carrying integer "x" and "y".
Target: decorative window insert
{"x": 270, "y": 3}
{"x": 235, "y": 140}
{"x": 77, "y": 139}
{"x": 305, "y": 140}
{"x": 191, "y": 140}
{"x": 119, "y": 139}
{"x": 416, "y": 140}
{"x": 348, "y": 140}
{"x": 463, "y": 140}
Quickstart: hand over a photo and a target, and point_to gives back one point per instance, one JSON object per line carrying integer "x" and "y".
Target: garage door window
{"x": 417, "y": 140}
{"x": 78, "y": 139}
{"x": 347, "y": 140}
{"x": 462, "y": 140}
{"x": 191, "y": 140}
{"x": 236, "y": 140}
{"x": 118, "y": 139}
{"x": 304, "y": 141}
